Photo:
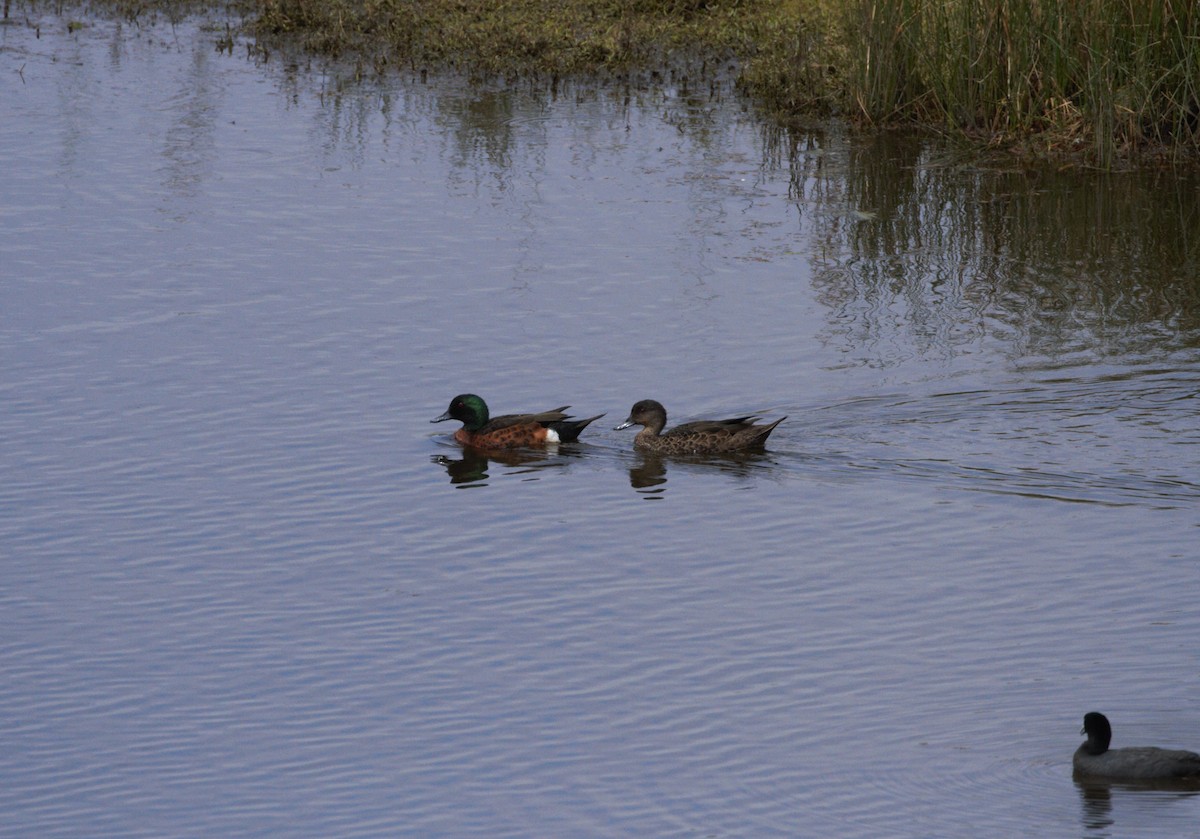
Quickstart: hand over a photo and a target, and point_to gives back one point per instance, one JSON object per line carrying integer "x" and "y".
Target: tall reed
{"x": 1116, "y": 74}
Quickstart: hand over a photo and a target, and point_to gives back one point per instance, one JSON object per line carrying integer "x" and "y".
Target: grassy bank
{"x": 538, "y": 36}
{"x": 1105, "y": 82}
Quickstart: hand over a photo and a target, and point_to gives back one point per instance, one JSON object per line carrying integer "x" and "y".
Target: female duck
{"x": 1094, "y": 758}
{"x": 701, "y": 437}
{"x": 511, "y": 430}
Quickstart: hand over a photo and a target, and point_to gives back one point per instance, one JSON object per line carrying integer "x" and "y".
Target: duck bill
{"x": 624, "y": 425}
{"x": 443, "y": 417}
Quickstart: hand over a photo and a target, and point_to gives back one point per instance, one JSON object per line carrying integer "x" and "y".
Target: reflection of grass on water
{"x": 1054, "y": 262}
{"x": 1101, "y": 79}
{"x": 1104, "y": 81}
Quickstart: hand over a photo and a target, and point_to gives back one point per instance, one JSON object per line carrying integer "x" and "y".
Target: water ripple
{"x": 244, "y": 593}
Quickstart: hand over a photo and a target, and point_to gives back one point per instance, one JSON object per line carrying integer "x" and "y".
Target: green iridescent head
{"x": 468, "y": 409}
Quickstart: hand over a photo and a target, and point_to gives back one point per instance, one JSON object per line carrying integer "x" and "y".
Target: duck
{"x": 700, "y": 437}
{"x": 510, "y": 431}
{"x": 1094, "y": 758}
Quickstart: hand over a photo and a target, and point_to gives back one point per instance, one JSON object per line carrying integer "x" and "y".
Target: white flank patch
{"x": 552, "y": 436}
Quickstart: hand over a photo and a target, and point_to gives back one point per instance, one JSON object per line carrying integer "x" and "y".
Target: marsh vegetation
{"x": 1105, "y": 82}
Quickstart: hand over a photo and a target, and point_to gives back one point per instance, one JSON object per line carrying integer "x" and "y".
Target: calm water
{"x": 248, "y": 589}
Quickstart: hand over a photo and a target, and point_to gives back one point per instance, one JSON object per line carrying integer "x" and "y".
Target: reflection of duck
{"x": 1094, "y": 759}
{"x": 700, "y": 437}
{"x": 510, "y": 430}
{"x": 473, "y": 466}
{"x": 649, "y": 473}
{"x": 1096, "y": 794}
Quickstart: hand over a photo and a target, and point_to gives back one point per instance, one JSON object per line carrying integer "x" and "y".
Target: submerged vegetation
{"x": 1104, "y": 81}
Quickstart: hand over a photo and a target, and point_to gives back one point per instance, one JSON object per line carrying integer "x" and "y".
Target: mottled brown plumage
{"x": 700, "y": 437}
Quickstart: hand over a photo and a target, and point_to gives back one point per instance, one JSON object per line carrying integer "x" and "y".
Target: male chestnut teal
{"x": 700, "y": 437}
{"x": 1140, "y": 763}
{"x": 511, "y": 430}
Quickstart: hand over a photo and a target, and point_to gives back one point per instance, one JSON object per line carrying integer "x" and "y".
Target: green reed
{"x": 1108, "y": 76}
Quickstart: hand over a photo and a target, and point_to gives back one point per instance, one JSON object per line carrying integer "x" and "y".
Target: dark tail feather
{"x": 568, "y": 430}
{"x": 760, "y": 439}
